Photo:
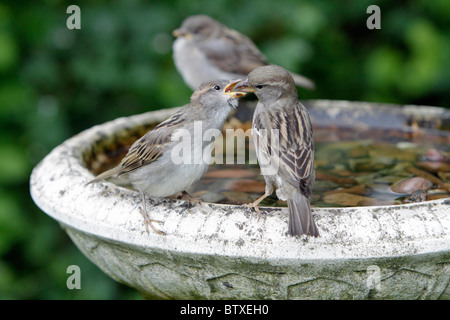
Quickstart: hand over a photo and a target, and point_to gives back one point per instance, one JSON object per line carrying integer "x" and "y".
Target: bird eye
{"x": 258, "y": 86}
{"x": 197, "y": 30}
{"x": 216, "y": 88}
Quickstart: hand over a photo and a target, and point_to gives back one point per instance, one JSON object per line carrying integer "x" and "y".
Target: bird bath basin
{"x": 222, "y": 251}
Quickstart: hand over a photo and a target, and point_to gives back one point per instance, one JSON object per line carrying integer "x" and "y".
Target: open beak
{"x": 230, "y": 89}
{"x": 243, "y": 87}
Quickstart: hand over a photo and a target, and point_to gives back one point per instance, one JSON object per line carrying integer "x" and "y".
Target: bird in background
{"x": 283, "y": 138}
{"x": 205, "y": 50}
{"x": 150, "y": 164}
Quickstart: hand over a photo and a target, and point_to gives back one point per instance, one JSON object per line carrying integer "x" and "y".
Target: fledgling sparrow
{"x": 153, "y": 164}
{"x": 205, "y": 50}
{"x": 284, "y": 143}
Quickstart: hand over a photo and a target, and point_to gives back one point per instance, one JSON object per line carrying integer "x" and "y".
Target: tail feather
{"x": 302, "y": 81}
{"x": 105, "y": 175}
{"x": 300, "y": 218}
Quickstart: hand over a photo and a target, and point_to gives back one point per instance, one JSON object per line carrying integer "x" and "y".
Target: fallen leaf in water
{"x": 424, "y": 174}
{"x": 246, "y": 185}
{"x": 349, "y": 200}
{"x": 320, "y": 175}
{"x": 237, "y": 197}
{"x": 434, "y": 166}
{"x": 230, "y": 173}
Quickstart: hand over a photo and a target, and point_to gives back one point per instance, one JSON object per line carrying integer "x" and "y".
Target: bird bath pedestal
{"x": 217, "y": 251}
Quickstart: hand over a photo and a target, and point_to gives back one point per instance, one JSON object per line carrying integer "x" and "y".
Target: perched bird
{"x": 207, "y": 50}
{"x": 153, "y": 164}
{"x": 284, "y": 143}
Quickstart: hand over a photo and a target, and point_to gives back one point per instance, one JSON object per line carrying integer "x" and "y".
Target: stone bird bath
{"x": 218, "y": 251}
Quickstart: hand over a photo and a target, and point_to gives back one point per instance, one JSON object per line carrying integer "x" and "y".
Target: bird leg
{"x": 187, "y": 197}
{"x": 147, "y": 220}
{"x": 254, "y": 205}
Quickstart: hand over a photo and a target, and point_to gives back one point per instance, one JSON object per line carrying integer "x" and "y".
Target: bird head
{"x": 217, "y": 93}
{"x": 268, "y": 83}
{"x": 198, "y": 27}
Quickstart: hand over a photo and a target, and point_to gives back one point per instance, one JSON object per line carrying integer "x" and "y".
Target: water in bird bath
{"x": 353, "y": 168}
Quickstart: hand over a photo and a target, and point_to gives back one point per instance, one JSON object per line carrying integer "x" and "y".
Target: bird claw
{"x": 148, "y": 222}
{"x": 187, "y": 197}
{"x": 255, "y": 207}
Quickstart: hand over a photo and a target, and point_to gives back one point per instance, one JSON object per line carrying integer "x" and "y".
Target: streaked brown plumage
{"x": 284, "y": 143}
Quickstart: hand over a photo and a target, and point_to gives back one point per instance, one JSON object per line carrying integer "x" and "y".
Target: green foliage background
{"x": 56, "y": 82}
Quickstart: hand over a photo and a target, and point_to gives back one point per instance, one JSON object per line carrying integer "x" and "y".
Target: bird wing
{"x": 152, "y": 145}
{"x": 290, "y": 146}
{"x": 233, "y": 52}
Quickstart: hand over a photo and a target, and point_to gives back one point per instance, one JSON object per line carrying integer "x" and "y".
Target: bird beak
{"x": 230, "y": 90}
{"x": 243, "y": 86}
{"x": 177, "y": 33}
{"x": 180, "y": 32}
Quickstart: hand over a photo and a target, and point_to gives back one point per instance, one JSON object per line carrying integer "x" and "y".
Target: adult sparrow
{"x": 153, "y": 164}
{"x": 205, "y": 50}
{"x": 284, "y": 143}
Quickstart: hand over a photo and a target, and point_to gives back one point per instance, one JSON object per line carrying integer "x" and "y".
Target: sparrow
{"x": 205, "y": 49}
{"x": 282, "y": 133}
{"x": 153, "y": 164}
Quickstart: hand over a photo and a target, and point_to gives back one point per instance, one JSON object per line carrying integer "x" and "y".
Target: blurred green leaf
{"x": 15, "y": 98}
{"x": 14, "y": 166}
{"x": 288, "y": 51}
{"x": 7, "y": 281}
{"x": 384, "y": 67}
{"x": 8, "y": 51}
{"x": 306, "y": 19}
{"x": 13, "y": 224}
{"x": 424, "y": 65}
